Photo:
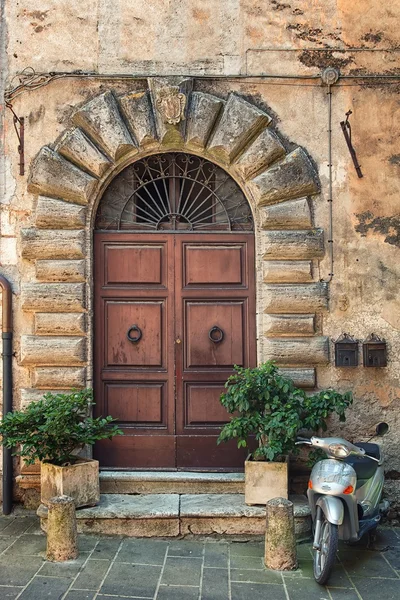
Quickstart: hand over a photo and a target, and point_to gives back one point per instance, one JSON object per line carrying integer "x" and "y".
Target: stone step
{"x": 171, "y": 515}
{"x": 177, "y": 482}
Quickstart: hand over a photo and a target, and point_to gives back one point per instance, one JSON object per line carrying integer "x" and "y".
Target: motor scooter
{"x": 345, "y": 496}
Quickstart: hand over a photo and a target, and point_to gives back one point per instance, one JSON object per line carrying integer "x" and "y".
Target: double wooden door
{"x": 173, "y": 314}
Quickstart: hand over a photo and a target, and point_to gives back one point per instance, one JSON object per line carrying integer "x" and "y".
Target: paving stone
{"x": 257, "y": 591}
{"x": 305, "y": 589}
{"x": 69, "y": 568}
{"x": 304, "y": 570}
{"x": 186, "y": 548}
{"x": 129, "y": 580}
{"x": 366, "y": 564}
{"x": 28, "y": 544}
{"x": 91, "y": 575}
{"x": 107, "y": 548}
{"x": 86, "y": 543}
{"x": 372, "y": 589}
{"x": 145, "y": 552}
{"x": 216, "y": 555}
{"x": 256, "y": 576}
{"x": 182, "y": 571}
{"x": 247, "y": 549}
{"x": 18, "y": 572}
{"x": 247, "y": 562}
{"x": 393, "y": 558}
{"x": 5, "y": 542}
{"x": 338, "y": 578}
{"x": 80, "y": 595}
{"x": 215, "y": 584}
{"x": 5, "y": 522}
{"x": 19, "y": 526}
{"x": 8, "y": 592}
{"x": 170, "y": 592}
{"x": 343, "y": 594}
{"x": 45, "y": 587}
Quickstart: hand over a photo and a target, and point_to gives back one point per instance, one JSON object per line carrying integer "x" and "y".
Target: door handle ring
{"x": 216, "y": 334}
{"x": 136, "y": 338}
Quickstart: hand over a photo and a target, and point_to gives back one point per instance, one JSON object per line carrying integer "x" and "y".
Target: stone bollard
{"x": 280, "y": 541}
{"x": 62, "y": 538}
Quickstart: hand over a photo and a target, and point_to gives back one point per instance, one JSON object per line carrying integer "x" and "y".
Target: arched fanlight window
{"x": 176, "y": 192}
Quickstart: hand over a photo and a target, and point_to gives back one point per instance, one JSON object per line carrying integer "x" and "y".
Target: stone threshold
{"x": 167, "y": 482}
{"x": 173, "y": 515}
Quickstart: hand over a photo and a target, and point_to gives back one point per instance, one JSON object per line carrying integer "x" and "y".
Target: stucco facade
{"x": 256, "y": 106}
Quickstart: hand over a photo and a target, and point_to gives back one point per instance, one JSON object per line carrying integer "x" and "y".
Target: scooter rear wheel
{"x": 324, "y": 558}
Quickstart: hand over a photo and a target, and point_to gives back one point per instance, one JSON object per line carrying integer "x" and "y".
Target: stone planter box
{"x": 80, "y": 481}
{"x": 265, "y": 480}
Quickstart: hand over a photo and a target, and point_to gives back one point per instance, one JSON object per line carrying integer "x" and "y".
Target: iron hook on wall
{"x": 346, "y": 128}
{"x": 20, "y": 135}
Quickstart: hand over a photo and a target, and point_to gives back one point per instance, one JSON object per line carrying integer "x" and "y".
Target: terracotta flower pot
{"x": 80, "y": 481}
{"x": 265, "y": 480}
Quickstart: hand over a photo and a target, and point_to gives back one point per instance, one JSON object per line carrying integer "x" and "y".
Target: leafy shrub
{"x": 268, "y": 406}
{"x": 55, "y": 428}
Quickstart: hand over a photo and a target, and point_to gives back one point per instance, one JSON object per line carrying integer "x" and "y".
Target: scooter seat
{"x": 364, "y": 466}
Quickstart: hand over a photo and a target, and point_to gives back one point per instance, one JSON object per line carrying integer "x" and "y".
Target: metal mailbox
{"x": 374, "y": 351}
{"x": 346, "y": 351}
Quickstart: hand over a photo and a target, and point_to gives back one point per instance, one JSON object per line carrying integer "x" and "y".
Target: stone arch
{"x": 110, "y": 132}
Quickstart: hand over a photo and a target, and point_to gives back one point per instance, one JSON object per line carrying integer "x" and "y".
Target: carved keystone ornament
{"x": 171, "y": 105}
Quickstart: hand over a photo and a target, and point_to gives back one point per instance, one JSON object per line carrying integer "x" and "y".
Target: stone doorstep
{"x": 170, "y": 515}
{"x": 177, "y": 482}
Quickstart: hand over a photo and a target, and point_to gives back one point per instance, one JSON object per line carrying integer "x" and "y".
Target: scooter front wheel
{"x": 324, "y": 557}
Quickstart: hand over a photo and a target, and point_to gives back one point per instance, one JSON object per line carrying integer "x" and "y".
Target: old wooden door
{"x": 174, "y": 311}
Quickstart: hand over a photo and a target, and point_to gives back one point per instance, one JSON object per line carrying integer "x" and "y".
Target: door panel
{"x": 192, "y": 296}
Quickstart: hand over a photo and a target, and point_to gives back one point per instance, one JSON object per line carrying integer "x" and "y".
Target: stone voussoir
{"x": 289, "y": 325}
{"x": 287, "y": 271}
{"x": 293, "y": 177}
{"x": 58, "y": 214}
{"x": 296, "y": 298}
{"x": 169, "y": 133}
{"x": 137, "y": 110}
{"x": 52, "y": 175}
{"x": 54, "y": 244}
{"x": 203, "y": 113}
{"x": 53, "y": 297}
{"x": 60, "y": 323}
{"x": 52, "y": 350}
{"x": 292, "y": 351}
{"x": 293, "y": 214}
{"x": 76, "y": 147}
{"x": 59, "y": 377}
{"x": 239, "y": 124}
{"x": 60, "y": 270}
{"x": 266, "y": 149}
{"x": 293, "y": 245}
{"x": 100, "y": 119}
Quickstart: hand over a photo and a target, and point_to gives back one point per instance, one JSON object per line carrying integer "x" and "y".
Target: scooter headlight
{"x": 338, "y": 450}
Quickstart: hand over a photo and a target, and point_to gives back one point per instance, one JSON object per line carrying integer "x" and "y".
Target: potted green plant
{"x": 53, "y": 431}
{"x": 268, "y": 412}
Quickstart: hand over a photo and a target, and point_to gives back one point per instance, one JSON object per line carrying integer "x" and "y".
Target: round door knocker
{"x": 216, "y": 334}
{"x": 135, "y": 338}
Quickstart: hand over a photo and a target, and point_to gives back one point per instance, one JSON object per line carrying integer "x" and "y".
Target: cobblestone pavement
{"x": 117, "y": 567}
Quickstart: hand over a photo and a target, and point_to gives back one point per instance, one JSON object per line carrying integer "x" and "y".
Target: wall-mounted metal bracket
{"x": 20, "y": 131}
{"x": 346, "y": 128}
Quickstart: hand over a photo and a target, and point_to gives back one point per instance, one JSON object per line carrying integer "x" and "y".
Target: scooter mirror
{"x": 381, "y": 428}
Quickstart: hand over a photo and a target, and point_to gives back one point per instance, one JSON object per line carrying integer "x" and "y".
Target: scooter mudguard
{"x": 332, "y": 508}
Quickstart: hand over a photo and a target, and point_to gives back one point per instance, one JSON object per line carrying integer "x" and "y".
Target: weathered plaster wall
{"x": 240, "y": 37}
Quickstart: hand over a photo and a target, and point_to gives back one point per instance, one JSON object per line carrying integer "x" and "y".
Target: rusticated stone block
{"x": 265, "y": 150}
{"x": 101, "y": 120}
{"x": 52, "y": 175}
{"x": 138, "y": 113}
{"x": 77, "y": 148}
{"x": 305, "y": 351}
{"x": 239, "y": 124}
{"x": 60, "y": 270}
{"x": 293, "y": 245}
{"x": 293, "y": 214}
{"x": 60, "y": 323}
{"x": 58, "y": 214}
{"x": 162, "y": 93}
{"x": 59, "y": 377}
{"x": 53, "y": 297}
{"x": 47, "y": 243}
{"x": 203, "y": 112}
{"x": 55, "y": 350}
{"x": 31, "y": 395}
{"x": 293, "y": 177}
{"x": 287, "y": 271}
{"x": 302, "y": 378}
{"x": 289, "y": 325}
{"x": 308, "y": 298}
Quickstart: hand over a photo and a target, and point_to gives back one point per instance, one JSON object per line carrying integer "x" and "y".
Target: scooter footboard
{"x": 332, "y": 508}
